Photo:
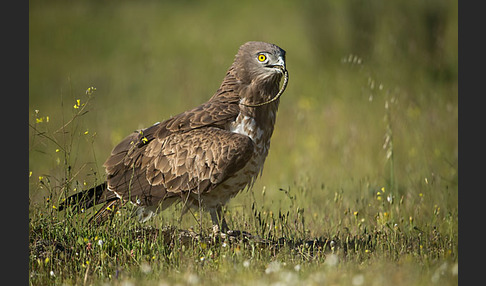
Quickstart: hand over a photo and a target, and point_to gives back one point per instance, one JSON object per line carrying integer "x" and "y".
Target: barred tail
{"x": 88, "y": 198}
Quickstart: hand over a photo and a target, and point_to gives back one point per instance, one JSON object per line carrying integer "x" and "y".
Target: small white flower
{"x": 145, "y": 268}
{"x": 358, "y": 280}
{"x": 331, "y": 260}
{"x": 297, "y": 267}
{"x": 52, "y": 274}
{"x": 192, "y": 279}
{"x": 100, "y": 242}
{"x": 274, "y": 266}
{"x": 332, "y": 244}
{"x": 246, "y": 263}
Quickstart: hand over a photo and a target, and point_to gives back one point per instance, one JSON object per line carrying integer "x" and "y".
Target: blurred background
{"x": 371, "y": 102}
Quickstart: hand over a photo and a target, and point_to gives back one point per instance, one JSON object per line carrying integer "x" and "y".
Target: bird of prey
{"x": 204, "y": 156}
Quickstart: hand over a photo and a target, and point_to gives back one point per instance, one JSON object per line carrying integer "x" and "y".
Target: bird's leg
{"x": 185, "y": 208}
{"x": 214, "y": 219}
{"x": 224, "y": 226}
{"x": 217, "y": 218}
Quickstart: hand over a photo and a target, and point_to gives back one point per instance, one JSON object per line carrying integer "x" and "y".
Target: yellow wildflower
{"x": 90, "y": 90}
{"x": 78, "y": 104}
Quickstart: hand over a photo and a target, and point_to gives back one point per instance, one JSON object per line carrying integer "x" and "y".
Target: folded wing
{"x": 147, "y": 168}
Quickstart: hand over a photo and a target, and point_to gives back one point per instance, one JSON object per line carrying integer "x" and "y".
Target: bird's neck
{"x": 257, "y": 122}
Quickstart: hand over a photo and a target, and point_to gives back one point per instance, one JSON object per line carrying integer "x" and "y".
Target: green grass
{"x": 375, "y": 241}
{"x": 359, "y": 188}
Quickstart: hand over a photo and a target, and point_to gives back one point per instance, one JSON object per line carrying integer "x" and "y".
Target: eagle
{"x": 201, "y": 157}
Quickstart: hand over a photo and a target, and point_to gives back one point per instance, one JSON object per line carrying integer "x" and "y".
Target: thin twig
{"x": 80, "y": 113}
{"x": 47, "y": 137}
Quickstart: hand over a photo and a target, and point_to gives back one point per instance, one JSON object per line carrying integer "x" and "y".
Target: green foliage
{"x": 360, "y": 186}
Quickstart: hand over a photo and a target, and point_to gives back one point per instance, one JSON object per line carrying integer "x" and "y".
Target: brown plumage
{"x": 204, "y": 156}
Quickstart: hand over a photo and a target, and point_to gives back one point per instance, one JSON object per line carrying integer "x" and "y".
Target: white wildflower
{"x": 272, "y": 267}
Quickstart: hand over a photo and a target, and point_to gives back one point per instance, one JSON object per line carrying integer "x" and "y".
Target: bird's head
{"x": 260, "y": 61}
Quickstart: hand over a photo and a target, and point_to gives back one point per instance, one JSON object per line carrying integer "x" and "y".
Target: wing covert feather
{"x": 194, "y": 161}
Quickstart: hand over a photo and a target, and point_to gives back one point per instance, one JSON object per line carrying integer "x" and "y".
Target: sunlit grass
{"x": 302, "y": 233}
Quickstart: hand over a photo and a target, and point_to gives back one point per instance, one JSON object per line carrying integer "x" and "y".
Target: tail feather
{"x": 88, "y": 198}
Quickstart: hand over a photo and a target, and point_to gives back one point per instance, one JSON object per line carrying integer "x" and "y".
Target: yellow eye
{"x": 262, "y": 57}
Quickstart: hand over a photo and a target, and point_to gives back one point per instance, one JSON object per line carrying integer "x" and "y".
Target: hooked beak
{"x": 279, "y": 65}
